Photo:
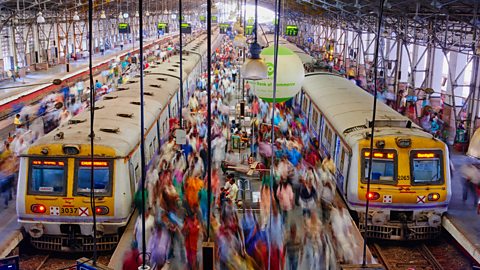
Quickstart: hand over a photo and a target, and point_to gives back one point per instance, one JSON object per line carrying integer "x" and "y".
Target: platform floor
{"x": 10, "y": 234}
{"x": 462, "y": 220}
{"x": 56, "y": 72}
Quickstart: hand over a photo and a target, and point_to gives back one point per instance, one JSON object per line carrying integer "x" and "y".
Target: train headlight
{"x": 101, "y": 210}
{"x": 373, "y": 196}
{"x": 403, "y": 142}
{"x": 433, "y": 196}
{"x": 69, "y": 149}
{"x": 380, "y": 144}
{"x": 38, "y": 208}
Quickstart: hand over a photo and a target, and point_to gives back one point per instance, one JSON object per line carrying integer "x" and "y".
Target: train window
{"x": 102, "y": 177}
{"x": 342, "y": 160}
{"x": 315, "y": 119}
{"x": 47, "y": 177}
{"x": 426, "y": 167}
{"x": 384, "y": 166}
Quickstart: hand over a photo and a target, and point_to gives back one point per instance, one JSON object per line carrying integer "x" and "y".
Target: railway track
{"x": 54, "y": 261}
{"x": 396, "y": 257}
{"x": 435, "y": 255}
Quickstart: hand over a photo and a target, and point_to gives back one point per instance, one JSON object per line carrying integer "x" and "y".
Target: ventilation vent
{"x": 137, "y": 76}
{"x": 131, "y": 81}
{"x": 76, "y": 121}
{"x": 175, "y": 65}
{"x": 162, "y": 79}
{"x": 158, "y": 62}
{"x": 135, "y": 102}
{"x": 355, "y": 128}
{"x": 148, "y": 94}
{"x": 110, "y": 97}
{"x": 155, "y": 85}
{"x": 172, "y": 69}
{"x": 125, "y": 115}
{"x": 122, "y": 88}
{"x": 99, "y": 107}
{"x": 153, "y": 66}
{"x": 110, "y": 130}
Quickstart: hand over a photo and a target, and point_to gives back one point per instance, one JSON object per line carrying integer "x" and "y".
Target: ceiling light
{"x": 120, "y": 16}
{"x": 40, "y": 18}
{"x": 147, "y": 13}
{"x": 75, "y": 16}
{"x": 136, "y": 14}
{"x": 385, "y": 34}
{"x": 254, "y": 67}
{"x": 165, "y": 12}
{"x": 125, "y": 15}
{"x": 477, "y": 49}
{"x": 103, "y": 15}
{"x": 174, "y": 16}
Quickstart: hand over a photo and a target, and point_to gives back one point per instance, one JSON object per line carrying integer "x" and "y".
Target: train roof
{"x": 349, "y": 107}
{"x": 304, "y": 57}
{"x": 117, "y": 115}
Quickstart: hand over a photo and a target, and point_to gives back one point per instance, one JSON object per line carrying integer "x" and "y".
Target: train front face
{"x": 53, "y": 198}
{"x": 410, "y": 187}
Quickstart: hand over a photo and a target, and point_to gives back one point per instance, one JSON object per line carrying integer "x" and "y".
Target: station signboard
{"x": 224, "y": 28}
{"x": 291, "y": 30}
{"x": 123, "y": 28}
{"x": 186, "y": 28}
{"x": 162, "y": 27}
{"x": 249, "y": 30}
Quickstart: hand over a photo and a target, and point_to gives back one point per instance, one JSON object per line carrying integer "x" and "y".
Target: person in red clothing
{"x": 191, "y": 230}
{"x": 132, "y": 259}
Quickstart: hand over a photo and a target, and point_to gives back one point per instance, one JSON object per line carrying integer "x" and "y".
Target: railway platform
{"x": 461, "y": 221}
{"x": 10, "y": 233}
{"x": 15, "y": 91}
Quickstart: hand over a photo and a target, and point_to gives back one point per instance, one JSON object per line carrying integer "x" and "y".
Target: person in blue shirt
{"x": 98, "y": 85}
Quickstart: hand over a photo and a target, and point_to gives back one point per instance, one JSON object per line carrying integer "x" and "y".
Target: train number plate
{"x": 69, "y": 211}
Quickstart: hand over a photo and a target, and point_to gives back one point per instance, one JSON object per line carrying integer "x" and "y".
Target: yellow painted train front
{"x": 409, "y": 186}
{"x": 410, "y": 180}
{"x": 57, "y": 196}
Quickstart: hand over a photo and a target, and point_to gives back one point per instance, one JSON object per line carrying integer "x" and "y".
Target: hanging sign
{"x": 123, "y": 28}
{"x": 180, "y": 136}
{"x": 202, "y": 18}
{"x": 224, "y": 28}
{"x": 162, "y": 27}
{"x": 214, "y": 19}
{"x": 291, "y": 30}
{"x": 186, "y": 28}
{"x": 249, "y": 30}
{"x": 290, "y": 75}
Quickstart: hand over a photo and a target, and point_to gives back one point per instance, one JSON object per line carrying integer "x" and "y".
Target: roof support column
{"x": 473, "y": 111}
{"x": 37, "y": 55}
{"x": 12, "y": 46}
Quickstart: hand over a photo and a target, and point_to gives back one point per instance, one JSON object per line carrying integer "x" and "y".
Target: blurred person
{"x": 470, "y": 178}
{"x": 293, "y": 247}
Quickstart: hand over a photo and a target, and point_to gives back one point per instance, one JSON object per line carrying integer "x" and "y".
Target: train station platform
{"x": 10, "y": 234}
{"x": 14, "y": 91}
{"x": 461, "y": 221}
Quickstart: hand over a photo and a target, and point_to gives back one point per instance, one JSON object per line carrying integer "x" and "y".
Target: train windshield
{"x": 47, "y": 177}
{"x": 101, "y": 175}
{"x": 426, "y": 167}
{"x": 383, "y": 167}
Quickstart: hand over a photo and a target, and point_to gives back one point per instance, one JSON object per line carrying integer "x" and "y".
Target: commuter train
{"x": 410, "y": 177}
{"x": 53, "y": 204}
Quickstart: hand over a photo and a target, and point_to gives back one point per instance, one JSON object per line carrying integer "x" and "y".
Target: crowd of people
{"x": 300, "y": 224}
